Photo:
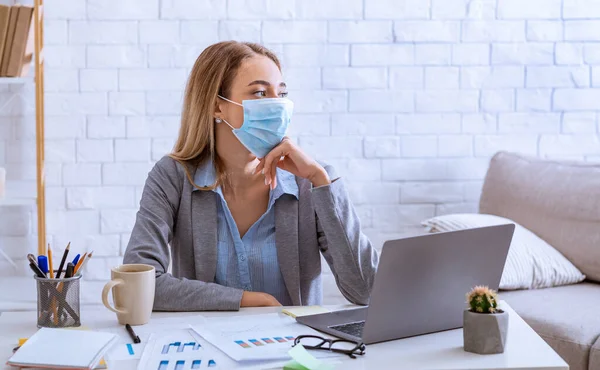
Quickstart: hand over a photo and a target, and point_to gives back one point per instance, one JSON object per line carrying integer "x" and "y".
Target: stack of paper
{"x": 63, "y": 349}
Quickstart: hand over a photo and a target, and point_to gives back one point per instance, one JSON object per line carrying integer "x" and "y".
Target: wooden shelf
{"x": 15, "y": 80}
{"x": 37, "y": 77}
{"x": 17, "y": 202}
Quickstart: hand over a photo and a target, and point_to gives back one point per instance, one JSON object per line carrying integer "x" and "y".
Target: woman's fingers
{"x": 259, "y": 167}
{"x": 283, "y": 164}
{"x": 267, "y": 170}
{"x": 274, "y": 172}
{"x": 271, "y": 172}
{"x": 271, "y": 160}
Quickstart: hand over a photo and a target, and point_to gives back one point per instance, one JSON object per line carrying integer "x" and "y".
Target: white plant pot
{"x": 484, "y": 333}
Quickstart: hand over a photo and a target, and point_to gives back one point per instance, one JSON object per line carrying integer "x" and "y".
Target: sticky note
{"x": 304, "y": 310}
{"x": 293, "y": 365}
{"x": 302, "y": 358}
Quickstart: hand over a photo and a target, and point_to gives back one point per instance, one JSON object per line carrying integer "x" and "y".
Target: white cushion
{"x": 531, "y": 262}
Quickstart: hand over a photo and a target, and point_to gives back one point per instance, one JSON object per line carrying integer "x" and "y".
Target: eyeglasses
{"x": 334, "y": 345}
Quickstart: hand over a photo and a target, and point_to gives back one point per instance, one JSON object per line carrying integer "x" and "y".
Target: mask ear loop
{"x": 231, "y": 101}
{"x": 218, "y": 120}
{"x": 233, "y": 128}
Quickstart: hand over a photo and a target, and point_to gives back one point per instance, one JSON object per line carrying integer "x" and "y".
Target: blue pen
{"x": 43, "y": 264}
{"x": 76, "y": 259}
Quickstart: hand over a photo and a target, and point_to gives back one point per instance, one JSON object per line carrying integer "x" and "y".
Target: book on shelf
{"x": 23, "y": 32}
{"x": 10, "y": 33}
{"x": 17, "y": 40}
{"x": 4, "y": 19}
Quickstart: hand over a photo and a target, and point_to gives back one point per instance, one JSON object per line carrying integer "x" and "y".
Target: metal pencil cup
{"x": 58, "y": 302}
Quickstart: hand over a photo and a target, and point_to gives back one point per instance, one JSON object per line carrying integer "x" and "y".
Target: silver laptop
{"x": 421, "y": 285}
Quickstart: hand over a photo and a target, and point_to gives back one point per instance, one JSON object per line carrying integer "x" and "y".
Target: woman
{"x": 245, "y": 211}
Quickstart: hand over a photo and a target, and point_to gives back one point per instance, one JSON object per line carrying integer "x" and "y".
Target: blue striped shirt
{"x": 249, "y": 262}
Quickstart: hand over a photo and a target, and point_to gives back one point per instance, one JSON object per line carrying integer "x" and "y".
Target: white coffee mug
{"x": 133, "y": 288}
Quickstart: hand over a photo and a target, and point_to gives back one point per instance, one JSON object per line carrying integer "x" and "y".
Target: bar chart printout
{"x": 177, "y": 350}
{"x": 265, "y": 337}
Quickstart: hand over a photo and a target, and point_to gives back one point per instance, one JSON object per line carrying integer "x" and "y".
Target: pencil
{"x": 80, "y": 262}
{"x": 50, "y": 262}
{"x": 53, "y": 307}
{"x": 62, "y": 262}
{"x": 80, "y": 270}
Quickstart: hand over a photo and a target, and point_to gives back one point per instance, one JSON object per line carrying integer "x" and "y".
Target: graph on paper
{"x": 177, "y": 350}
{"x": 180, "y": 347}
{"x": 253, "y": 343}
{"x": 181, "y": 365}
{"x": 263, "y": 337}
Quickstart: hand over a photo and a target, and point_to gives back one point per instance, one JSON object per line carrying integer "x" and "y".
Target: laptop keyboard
{"x": 353, "y": 328}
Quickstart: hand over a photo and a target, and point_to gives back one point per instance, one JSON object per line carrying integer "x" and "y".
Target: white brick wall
{"x": 431, "y": 31}
{"x": 531, "y": 9}
{"x": 407, "y": 99}
{"x": 360, "y": 31}
{"x": 386, "y": 54}
{"x": 544, "y": 30}
{"x": 103, "y": 32}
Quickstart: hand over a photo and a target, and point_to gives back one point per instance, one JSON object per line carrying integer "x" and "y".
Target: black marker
{"x": 70, "y": 270}
{"x": 132, "y": 334}
{"x": 34, "y": 267}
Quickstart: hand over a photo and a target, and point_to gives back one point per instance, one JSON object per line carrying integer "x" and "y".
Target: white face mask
{"x": 265, "y": 123}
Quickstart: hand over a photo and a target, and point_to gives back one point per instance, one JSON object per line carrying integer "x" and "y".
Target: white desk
{"x": 524, "y": 348}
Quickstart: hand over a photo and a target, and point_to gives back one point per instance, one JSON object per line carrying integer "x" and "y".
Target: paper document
{"x": 183, "y": 349}
{"x": 63, "y": 348}
{"x": 177, "y": 350}
{"x": 256, "y": 337}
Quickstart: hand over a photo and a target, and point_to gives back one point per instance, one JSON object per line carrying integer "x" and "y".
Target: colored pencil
{"x": 78, "y": 265}
{"x": 80, "y": 270}
{"x": 50, "y": 267}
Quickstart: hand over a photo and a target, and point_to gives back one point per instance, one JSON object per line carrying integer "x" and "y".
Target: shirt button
{"x": 243, "y": 258}
{"x": 248, "y": 288}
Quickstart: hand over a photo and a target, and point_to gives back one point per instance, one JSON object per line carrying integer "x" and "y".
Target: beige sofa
{"x": 560, "y": 202}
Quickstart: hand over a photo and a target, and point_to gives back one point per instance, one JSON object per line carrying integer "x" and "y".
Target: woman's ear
{"x": 218, "y": 112}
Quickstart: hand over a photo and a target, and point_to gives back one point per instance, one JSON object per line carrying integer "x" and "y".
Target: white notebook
{"x": 63, "y": 349}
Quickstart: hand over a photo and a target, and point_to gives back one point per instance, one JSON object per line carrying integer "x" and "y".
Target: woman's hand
{"x": 258, "y": 299}
{"x": 289, "y": 157}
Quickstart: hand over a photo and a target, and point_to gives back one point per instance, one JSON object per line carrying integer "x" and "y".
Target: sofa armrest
{"x": 557, "y": 200}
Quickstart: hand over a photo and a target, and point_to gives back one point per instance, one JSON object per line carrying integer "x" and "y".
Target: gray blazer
{"x": 322, "y": 220}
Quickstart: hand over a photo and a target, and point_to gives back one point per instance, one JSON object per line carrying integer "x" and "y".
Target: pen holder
{"x": 58, "y": 302}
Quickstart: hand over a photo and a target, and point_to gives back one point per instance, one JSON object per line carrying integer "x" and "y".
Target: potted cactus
{"x": 484, "y": 324}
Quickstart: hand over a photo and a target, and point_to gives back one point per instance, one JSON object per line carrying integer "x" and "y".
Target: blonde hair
{"x": 212, "y": 75}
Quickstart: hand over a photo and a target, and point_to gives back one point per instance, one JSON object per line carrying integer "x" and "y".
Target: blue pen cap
{"x": 43, "y": 263}
{"x": 76, "y": 259}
